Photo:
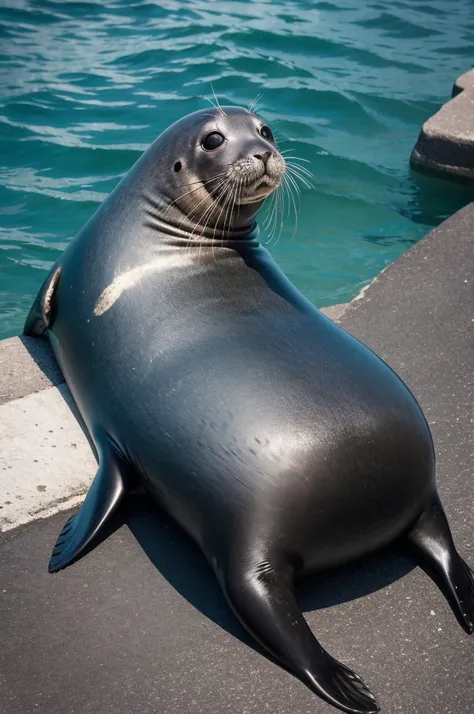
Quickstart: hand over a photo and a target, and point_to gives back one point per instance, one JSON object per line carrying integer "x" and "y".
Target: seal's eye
{"x": 213, "y": 141}
{"x": 266, "y": 132}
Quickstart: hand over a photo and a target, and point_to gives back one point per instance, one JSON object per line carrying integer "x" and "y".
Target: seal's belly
{"x": 263, "y": 439}
{"x": 263, "y": 421}
{"x": 295, "y": 480}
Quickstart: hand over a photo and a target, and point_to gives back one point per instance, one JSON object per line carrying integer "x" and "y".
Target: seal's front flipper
{"x": 39, "y": 316}
{"x": 262, "y": 596}
{"x": 111, "y": 483}
{"x": 433, "y": 544}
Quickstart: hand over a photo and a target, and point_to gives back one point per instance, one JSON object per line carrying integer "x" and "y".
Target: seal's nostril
{"x": 263, "y": 157}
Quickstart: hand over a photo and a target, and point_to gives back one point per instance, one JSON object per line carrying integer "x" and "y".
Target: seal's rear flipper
{"x": 40, "y": 314}
{"x": 111, "y": 483}
{"x": 433, "y": 544}
{"x": 262, "y": 597}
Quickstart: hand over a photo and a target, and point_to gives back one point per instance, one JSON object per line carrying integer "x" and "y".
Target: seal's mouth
{"x": 255, "y": 178}
{"x": 259, "y": 189}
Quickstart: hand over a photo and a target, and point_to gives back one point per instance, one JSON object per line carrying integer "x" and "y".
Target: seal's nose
{"x": 263, "y": 157}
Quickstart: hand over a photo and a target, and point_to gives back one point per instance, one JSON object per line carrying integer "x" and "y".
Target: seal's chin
{"x": 259, "y": 190}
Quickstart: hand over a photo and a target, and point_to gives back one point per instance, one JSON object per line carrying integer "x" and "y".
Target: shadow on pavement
{"x": 41, "y": 353}
{"x": 185, "y": 567}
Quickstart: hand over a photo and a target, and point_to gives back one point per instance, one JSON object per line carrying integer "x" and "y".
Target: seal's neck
{"x": 169, "y": 221}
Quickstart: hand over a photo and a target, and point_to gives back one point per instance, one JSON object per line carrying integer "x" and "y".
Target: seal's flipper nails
{"x": 262, "y": 597}
{"x": 111, "y": 483}
{"x": 433, "y": 544}
{"x": 40, "y": 314}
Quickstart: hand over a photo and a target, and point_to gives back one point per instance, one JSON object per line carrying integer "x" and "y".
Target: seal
{"x": 279, "y": 442}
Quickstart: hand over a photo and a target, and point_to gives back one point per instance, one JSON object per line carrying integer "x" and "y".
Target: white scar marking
{"x": 132, "y": 277}
{"x": 49, "y": 292}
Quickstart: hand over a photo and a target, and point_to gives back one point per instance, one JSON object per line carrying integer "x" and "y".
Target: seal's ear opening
{"x": 177, "y": 166}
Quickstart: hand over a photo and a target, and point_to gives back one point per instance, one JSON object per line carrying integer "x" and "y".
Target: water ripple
{"x": 86, "y": 86}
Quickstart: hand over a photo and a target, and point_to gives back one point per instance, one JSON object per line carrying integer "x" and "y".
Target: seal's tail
{"x": 111, "y": 483}
{"x": 262, "y": 596}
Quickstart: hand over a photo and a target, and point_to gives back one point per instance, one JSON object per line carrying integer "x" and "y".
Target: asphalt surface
{"x": 139, "y": 625}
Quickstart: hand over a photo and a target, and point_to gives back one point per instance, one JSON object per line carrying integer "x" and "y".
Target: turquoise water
{"x": 85, "y": 86}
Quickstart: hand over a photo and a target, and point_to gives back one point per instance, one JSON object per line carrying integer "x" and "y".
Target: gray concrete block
{"x": 445, "y": 145}
{"x": 465, "y": 81}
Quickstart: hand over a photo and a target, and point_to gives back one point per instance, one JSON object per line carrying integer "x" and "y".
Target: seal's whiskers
{"x": 209, "y": 195}
{"x": 254, "y": 103}
{"x": 300, "y": 158}
{"x": 216, "y": 105}
{"x": 227, "y": 219}
{"x": 301, "y": 173}
{"x": 223, "y": 208}
{"x": 206, "y": 216}
{"x": 291, "y": 183}
{"x": 154, "y": 204}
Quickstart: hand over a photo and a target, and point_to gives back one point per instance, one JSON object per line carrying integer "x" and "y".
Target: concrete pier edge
{"x": 445, "y": 145}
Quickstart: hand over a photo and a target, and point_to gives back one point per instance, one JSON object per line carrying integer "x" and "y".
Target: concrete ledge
{"x": 46, "y": 463}
{"x": 465, "y": 81}
{"x": 445, "y": 145}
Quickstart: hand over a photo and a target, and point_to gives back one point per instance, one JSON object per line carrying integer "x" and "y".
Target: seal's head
{"x": 215, "y": 168}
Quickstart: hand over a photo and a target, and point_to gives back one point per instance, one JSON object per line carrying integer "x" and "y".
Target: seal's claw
{"x": 341, "y": 687}
{"x": 463, "y": 596}
{"x": 59, "y": 555}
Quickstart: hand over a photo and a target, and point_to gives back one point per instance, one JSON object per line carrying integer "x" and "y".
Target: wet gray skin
{"x": 280, "y": 443}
